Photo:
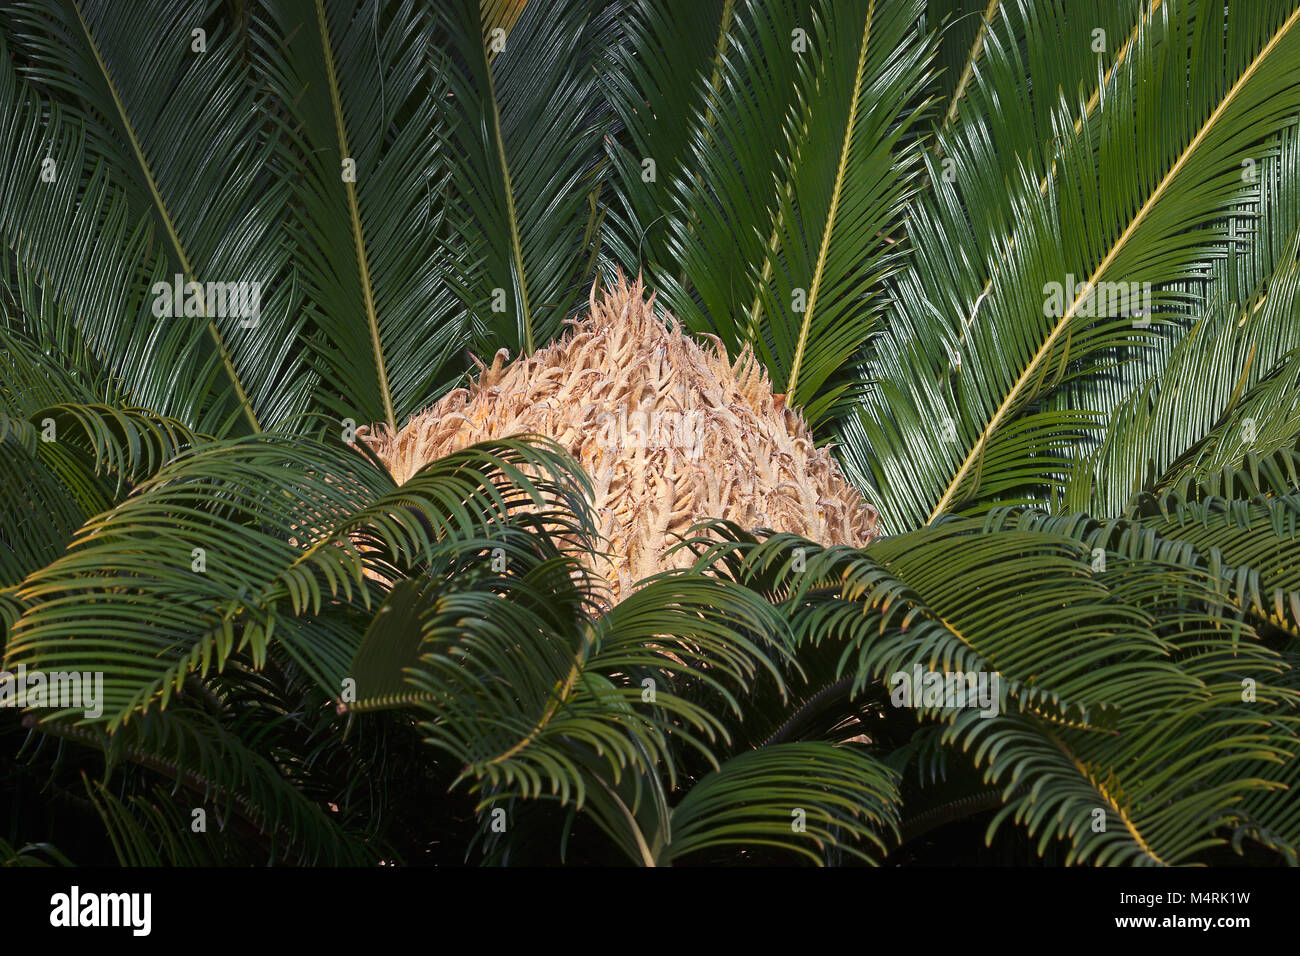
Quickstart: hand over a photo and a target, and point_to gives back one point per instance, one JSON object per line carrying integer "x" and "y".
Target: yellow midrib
{"x": 354, "y": 212}
{"x": 715, "y": 84}
{"x": 516, "y": 246}
{"x": 773, "y": 244}
{"x": 715, "y": 78}
{"x": 824, "y": 250}
{"x": 1093, "y": 100}
{"x": 552, "y": 707}
{"x": 167, "y": 219}
{"x": 977, "y": 48}
{"x": 1105, "y": 794}
{"x": 1046, "y": 348}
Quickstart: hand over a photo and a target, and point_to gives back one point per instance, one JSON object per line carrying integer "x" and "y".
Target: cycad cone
{"x": 670, "y": 433}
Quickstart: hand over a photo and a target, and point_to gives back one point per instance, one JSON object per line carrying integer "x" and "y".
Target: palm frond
{"x": 1164, "y": 759}
{"x": 938, "y": 438}
{"x": 812, "y": 799}
{"x": 219, "y": 211}
{"x": 526, "y": 116}
{"x": 661, "y": 75}
{"x": 524, "y": 696}
{"x": 80, "y": 262}
{"x": 366, "y": 177}
{"x": 240, "y": 792}
{"x": 163, "y": 585}
{"x": 804, "y": 203}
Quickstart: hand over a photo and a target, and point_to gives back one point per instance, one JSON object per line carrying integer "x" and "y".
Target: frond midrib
{"x": 840, "y": 173}
{"x": 1091, "y": 105}
{"x": 358, "y": 230}
{"x": 1105, "y": 794}
{"x": 976, "y": 51}
{"x": 169, "y": 225}
{"x": 1033, "y": 369}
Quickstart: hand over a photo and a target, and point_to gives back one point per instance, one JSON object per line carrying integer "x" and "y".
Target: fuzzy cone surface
{"x": 670, "y": 432}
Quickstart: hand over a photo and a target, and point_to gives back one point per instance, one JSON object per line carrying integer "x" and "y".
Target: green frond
{"x": 810, "y": 799}
{"x": 33, "y": 854}
{"x": 941, "y": 436}
{"x": 526, "y": 117}
{"x": 659, "y": 82}
{"x": 523, "y": 695}
{"x": 162, "y": 585}
{"x": 218, "y": 212}
{"x": 809, "y": 203}
{"x": 80, "y": 262}
{"x": 1160, "y": 790}
{"x": 240, "y": 792}
{"x": 366, "y": 175}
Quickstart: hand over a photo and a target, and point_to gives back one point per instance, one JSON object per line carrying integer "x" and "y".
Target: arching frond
{"x": 162, "y": 585}
{"x": 938, "y": 438}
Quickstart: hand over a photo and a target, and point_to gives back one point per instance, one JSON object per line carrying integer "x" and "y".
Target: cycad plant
{"x": 1027, "y": 268}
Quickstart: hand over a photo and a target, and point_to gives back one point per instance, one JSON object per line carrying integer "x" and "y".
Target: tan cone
{"x": 671, "y": 434}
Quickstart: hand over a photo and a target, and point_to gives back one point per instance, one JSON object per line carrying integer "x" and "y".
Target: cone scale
{"x": 671, "y": 433}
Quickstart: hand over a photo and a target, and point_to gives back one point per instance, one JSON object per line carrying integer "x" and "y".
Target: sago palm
{"x": 1027, "y": 271}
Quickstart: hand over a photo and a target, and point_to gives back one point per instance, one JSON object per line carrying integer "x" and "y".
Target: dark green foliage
{"x": 306, "y": 664}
